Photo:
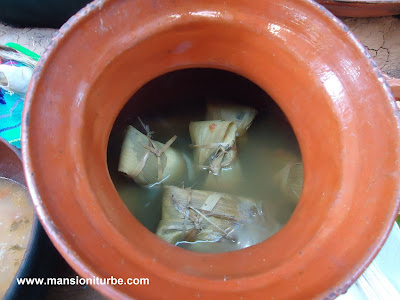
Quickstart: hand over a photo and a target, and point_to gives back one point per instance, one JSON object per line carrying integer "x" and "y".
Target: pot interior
{"x": 264, "y": 153}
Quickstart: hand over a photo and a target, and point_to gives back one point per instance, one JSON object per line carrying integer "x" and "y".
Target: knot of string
{"x": 151, "y": 148}
{"x": 217, "y": 161}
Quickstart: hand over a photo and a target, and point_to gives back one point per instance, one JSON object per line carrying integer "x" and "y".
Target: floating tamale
{"x": 195, "y": 216}
{"x": 291, "y": 179}
{"x": 241, "y": 115}
{"x": 148, "y": 161}
{"x": 214, "y": 144}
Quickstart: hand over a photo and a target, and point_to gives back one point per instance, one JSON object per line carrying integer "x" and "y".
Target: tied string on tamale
{"x": 197, "y": 215}
{"x": 151, "y": 148}
{"x": 216, "y": 160}
{"x": 187, "y": 212}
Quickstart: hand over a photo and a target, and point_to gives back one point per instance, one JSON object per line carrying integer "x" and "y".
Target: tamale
{"x": 214, "y": 144}
{"x": 291, "y": 179}
{"x": 195, "y": 216}
{"x": 241, "y": 115}
{"x": 148, "y": 162}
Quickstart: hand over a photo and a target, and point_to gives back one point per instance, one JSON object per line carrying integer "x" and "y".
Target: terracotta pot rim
{"x": 52, "y": 229}
{"x": 11, "y": 147}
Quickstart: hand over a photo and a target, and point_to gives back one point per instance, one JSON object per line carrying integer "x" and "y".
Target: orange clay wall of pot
{"x": 331, "y": 91}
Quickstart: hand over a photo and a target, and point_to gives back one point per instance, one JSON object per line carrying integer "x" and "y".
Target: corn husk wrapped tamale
{"x": 195, "y": 215}
{"x": 241, "y": 115}
{"x": 291, "y": 178}
{"x": 214, "y": 144}
{"x": 148, "y": 162}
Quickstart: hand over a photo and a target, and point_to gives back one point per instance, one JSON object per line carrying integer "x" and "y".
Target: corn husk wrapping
{"x": 241, "y": 115}
{"x": 214, "y": 144}
{"x": 291, "y": 179}
{"x": 170, "y": 163}
{"x": 195, "y": 215}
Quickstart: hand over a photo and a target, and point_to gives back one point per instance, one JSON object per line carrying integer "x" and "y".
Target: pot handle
{"x": 394, "y": 85}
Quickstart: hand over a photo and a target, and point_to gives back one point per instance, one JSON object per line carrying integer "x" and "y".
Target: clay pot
{"x": 330, "y": 89}
{"x": 10, "y": 162}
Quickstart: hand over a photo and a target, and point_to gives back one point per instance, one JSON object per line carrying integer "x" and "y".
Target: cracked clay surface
{"x": 381, "y": 37}
{"x": 35, "y": 39}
